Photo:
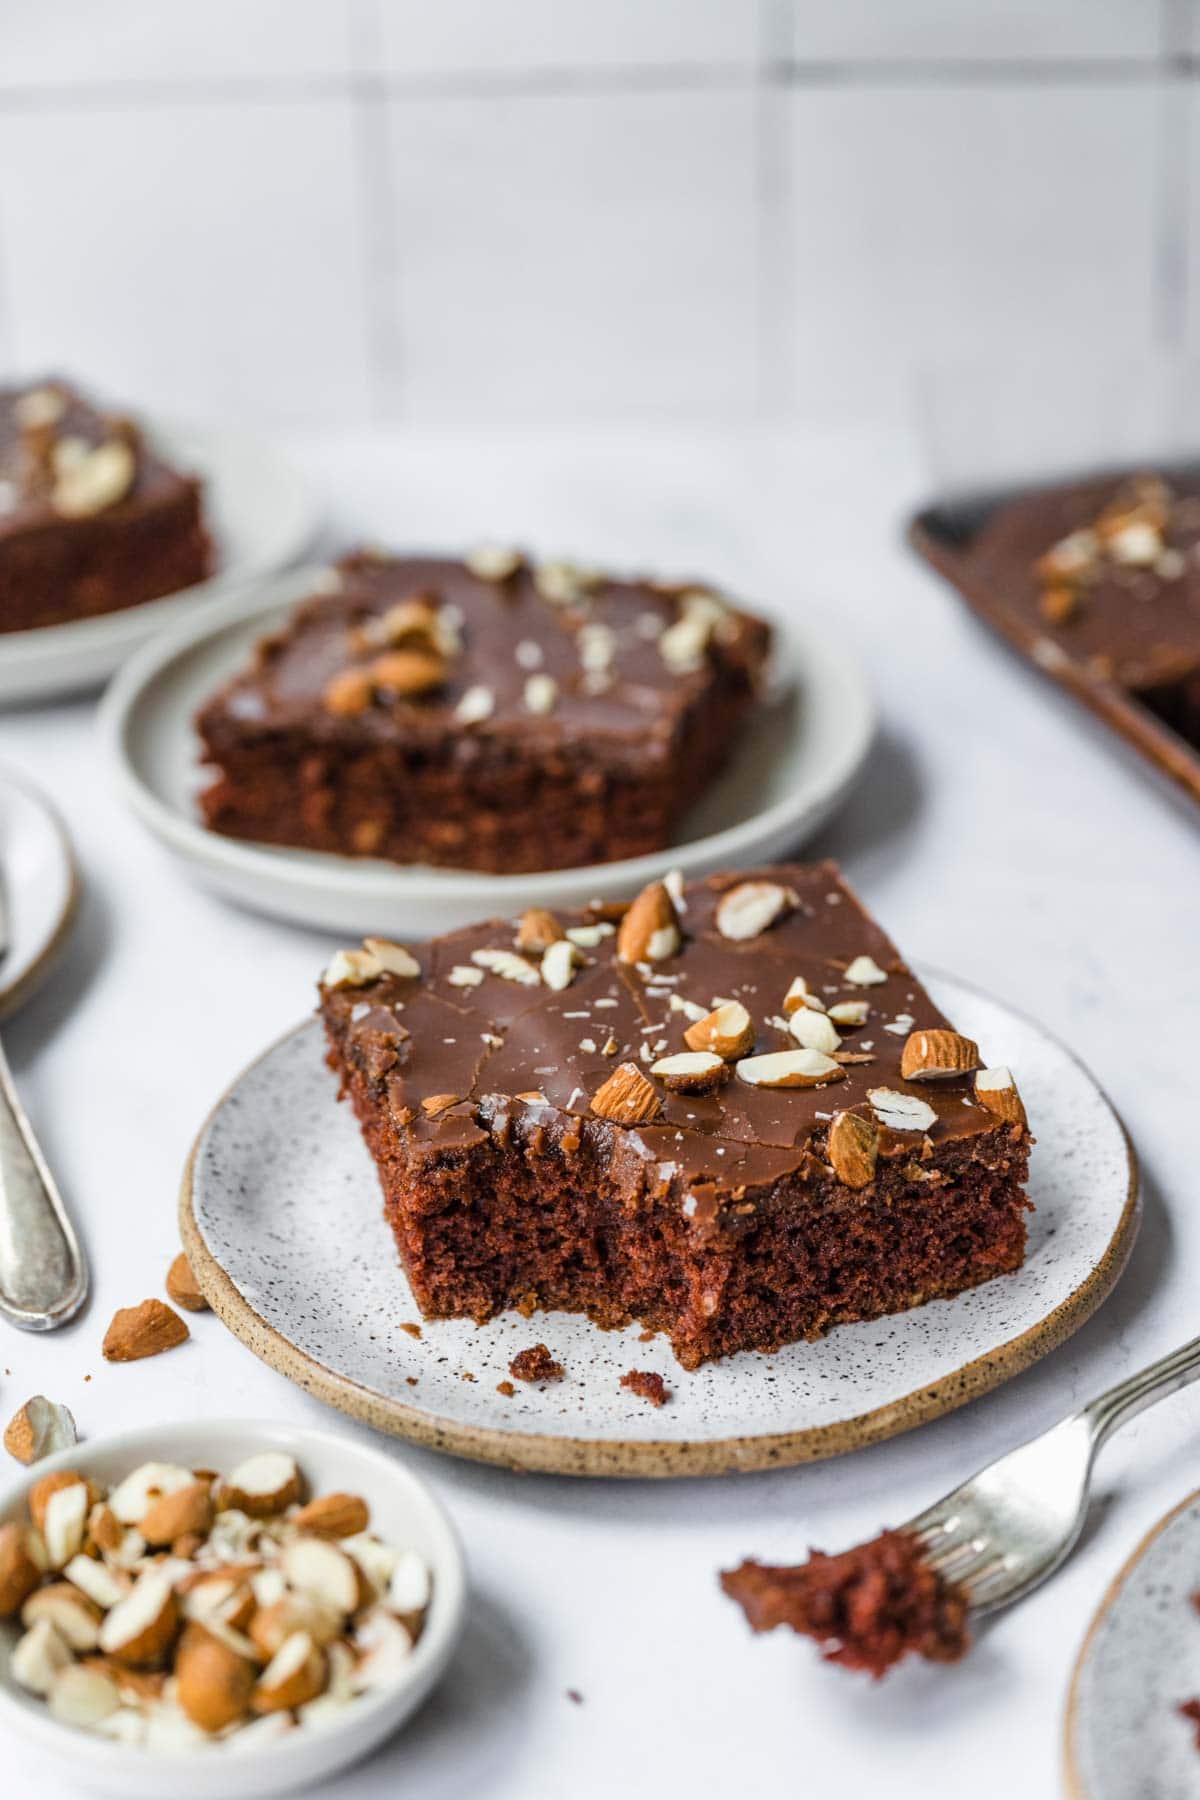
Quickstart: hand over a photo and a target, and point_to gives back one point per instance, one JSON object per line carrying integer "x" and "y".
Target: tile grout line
{"x": 384, "y": 351}
{"x": 775, "y": 370}
{"x": 772, "y": 69}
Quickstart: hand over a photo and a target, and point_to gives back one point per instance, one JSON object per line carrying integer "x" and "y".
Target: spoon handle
{"x": 43, "y": 1275}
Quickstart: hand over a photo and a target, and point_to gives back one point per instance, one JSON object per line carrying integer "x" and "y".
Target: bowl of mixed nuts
{"x": 221, "y": 1608}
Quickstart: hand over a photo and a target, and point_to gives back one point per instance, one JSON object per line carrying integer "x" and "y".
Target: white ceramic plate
{"x": 403, "y": 1510}
{"x": 281, "y": 1215}
{"x": 794, "y": 765}
{"x": 1139, "y": 1662}
{"x": 262, "y": 517}
{"x": 40, "y": 887}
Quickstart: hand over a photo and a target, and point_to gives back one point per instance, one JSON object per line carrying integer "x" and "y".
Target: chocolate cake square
{"x": 91, "y": 518}
{"x": 1107, "y": 570}
{"x": 430, "y": 711}
{"x": 736, "y": 1117}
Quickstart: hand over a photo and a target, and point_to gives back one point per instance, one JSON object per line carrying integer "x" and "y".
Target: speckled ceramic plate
{"x": 281, "y": 1217}
{"x": 1140, "y": 1660}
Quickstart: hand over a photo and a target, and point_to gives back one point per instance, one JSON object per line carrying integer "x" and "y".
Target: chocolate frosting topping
{"x": 490, "y": 1043}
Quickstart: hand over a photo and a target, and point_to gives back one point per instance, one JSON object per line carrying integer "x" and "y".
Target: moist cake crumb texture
{"x": 536, "y": 1364}
{"x": 867, "y": 1608}
{"x": 731, "y": 1114}
{"x": 647, "y": 1386}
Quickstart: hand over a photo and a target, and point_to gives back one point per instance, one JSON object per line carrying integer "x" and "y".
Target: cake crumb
{"x": 506, "y": 1388}
{"x": 414, "y": 1331}
{"x": 536, "y": 1364}
{"x": 867, "y": 1607}
{"x": 412, "y": 1380}
{"x": 1191, "y": 1710}
{"x": 647, "y": 1386}
{"x": 646, "y": 1337}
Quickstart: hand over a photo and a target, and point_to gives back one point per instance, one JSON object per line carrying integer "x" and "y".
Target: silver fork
{"x": 1003, "y": 1532}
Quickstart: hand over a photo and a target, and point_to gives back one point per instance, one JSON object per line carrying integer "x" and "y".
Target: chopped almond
{"x": 182, "y": 1288}
{"x": 649, "y": 932}
{"x": 145, "y": 1330}
{"x": 627, "y": 1097}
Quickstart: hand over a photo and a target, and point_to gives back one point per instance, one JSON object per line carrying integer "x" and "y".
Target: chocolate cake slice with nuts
{"x": 484, "y": 715}
{"x": 1107, "y": 570}
{"x": 91, "y": 519}
{"x": 735, "y": 1116}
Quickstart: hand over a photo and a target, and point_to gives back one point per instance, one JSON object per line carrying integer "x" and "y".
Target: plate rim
{"x": 656, "y": 1457}
{"x": 13, "y": 996}
{"x": 1072, "y": 1775}
{"x": 304, "y": 874}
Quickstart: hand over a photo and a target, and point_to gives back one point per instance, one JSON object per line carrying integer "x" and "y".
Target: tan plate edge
{"x": 1072, "y": 1779}
{"x": 13, "y": 997}
{"x": 654, "y": 1457}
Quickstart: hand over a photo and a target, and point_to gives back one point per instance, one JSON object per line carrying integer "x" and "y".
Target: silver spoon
{"x": 43, "y": 1274}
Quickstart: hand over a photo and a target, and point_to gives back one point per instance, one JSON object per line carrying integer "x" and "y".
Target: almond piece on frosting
{"x": 800, "y": 994}
{"x": 145, "y": 1330}
{"x": 937, "y": 1055}
{"x": 864, "y": 971}
{"x": 264, "y": 1484}
{"x": 351, "y": 968}
{"x": 627, "y": 1097}
{"x": 815, "y": 1031}
{"x": 728, "y": 1031}
{"x": 692, "y": 1072}
{"x": 559, "y": 963}
{"x": 901, "y": 1112}
{"x": 537, "y": 930}
{"x": 996, "y": 1090}
{"x": 749, "y": 909}
{"x": 38, "y": 1429}
{"x": 393, "y": 959}
{"x": 853, "y": 1149}
{"x": 507, "y": 965}
{"x": 790, "y": 1069}
{"x": 649, "y": 931}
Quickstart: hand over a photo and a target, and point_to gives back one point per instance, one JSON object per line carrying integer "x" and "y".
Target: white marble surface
{"x": 998, "y": 834}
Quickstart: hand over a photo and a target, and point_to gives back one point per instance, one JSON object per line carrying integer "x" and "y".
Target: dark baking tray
{"x": 942, "y": 533}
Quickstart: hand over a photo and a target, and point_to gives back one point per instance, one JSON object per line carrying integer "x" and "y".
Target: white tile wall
{"x": 1024, "y": 31}
{"x": 439, "y": 36}
{"x": 84, "y": 43}
{"x": 339, "y": 210}
{"x": 203, "y": 257}
{"x": 589, "y": 254}
{"x": 935, "y": 224}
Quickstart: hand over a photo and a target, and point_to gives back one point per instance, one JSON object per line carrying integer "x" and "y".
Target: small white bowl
{"x": 403, "y": 1511}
